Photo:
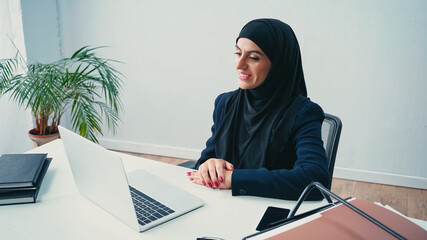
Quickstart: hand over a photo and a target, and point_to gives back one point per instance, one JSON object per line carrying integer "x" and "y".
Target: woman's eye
{"x": 254, "y": 58}
{"x": 237, "y": 53}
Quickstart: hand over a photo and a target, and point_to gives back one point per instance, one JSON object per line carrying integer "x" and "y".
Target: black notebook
{"x": 26, "y": 194}
{"x": 20, "y": 170}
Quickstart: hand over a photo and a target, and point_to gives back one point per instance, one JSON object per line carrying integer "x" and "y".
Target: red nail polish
{"x": 188, "y": 173}
{"x": 191, "y": 179}
{"x": 221, "y": 179}
{"x": 204, "y": 183}
{"x": 210, "y": 185}
{"x": 216, "y": 184}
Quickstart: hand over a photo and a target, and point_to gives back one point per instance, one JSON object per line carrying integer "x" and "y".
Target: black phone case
{"x": 272, "y": 214}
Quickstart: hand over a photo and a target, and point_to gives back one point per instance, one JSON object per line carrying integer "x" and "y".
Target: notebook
{"x": 139, "y": 199}
{"x": 20, "y": 170}
{"x": 24, "y": 194}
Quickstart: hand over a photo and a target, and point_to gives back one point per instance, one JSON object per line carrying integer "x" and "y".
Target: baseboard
{"x": 380, "y": 177}
{"x": 151, "y": 149}
{"x": 339, "y": 172}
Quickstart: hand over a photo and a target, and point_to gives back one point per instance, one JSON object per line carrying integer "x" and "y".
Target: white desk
{"x": 62, "y": 213}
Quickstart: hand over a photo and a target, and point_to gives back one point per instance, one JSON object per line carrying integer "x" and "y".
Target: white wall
{"x": 41, "y": 30}
{"x": 363, "y": 61}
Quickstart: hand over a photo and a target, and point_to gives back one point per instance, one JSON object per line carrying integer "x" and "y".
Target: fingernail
{"x": 221, "y": 179}
{"x": 210, "y": 185}
{"x": 216, "y": 184}
{"x": 188, "y": 173}
{"x": 204, "y": 183}
{"x": 191, "y": 179}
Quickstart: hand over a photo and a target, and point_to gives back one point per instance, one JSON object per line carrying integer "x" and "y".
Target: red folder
{"x": 341, "y": 222}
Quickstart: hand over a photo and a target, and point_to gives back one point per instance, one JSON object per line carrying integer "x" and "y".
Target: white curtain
{"x": 14, "y": 121}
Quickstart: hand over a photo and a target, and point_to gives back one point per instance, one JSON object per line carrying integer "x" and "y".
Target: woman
{"x": 266, "y": 137}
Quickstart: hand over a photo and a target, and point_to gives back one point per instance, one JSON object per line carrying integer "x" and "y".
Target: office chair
{"x": 331, "y": 132}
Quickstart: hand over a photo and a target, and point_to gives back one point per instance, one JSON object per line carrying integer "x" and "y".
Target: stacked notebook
{"x": 21, "y": 176}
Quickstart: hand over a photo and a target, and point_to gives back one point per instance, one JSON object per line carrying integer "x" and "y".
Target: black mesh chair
{"x": 331, "y": 132}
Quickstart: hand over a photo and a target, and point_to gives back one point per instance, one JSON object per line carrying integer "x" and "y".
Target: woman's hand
{"x": 213, "y": 173}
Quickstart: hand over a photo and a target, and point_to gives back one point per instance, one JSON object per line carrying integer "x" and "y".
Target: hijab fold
{"x": 258, "y": 122}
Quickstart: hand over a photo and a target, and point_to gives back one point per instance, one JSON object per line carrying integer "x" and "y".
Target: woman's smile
{"x": 244, "y": 76}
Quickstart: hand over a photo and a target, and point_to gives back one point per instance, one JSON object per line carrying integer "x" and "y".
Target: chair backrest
{"x": 331, "y": 131}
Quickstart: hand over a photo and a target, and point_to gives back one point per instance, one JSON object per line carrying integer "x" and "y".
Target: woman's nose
{"x": 240, "y": 63}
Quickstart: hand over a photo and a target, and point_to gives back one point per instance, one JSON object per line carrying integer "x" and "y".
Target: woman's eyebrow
{"x": 251, "y": 51}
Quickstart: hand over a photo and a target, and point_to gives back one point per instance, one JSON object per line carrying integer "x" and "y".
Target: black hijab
{"x": 258, "y": 122}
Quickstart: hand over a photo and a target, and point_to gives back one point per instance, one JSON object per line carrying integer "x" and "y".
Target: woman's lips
{"x": 244, "y": 76}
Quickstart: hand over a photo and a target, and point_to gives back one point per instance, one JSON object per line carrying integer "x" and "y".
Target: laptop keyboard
{"x": 148, "y": 209}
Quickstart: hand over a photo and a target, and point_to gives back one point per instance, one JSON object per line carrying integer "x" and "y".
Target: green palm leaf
{"x": 87, "y": 85}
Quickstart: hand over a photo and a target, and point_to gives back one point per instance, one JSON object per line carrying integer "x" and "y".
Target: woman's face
{"x": 251, "y": 63}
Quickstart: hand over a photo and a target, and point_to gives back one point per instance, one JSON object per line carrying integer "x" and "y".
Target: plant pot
{"x": 38, "y": 140}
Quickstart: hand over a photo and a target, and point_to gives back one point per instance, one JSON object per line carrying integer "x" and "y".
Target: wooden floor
{"x": 411, "y": 202}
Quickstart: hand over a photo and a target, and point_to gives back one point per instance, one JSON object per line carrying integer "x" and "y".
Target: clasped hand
{"x": 213, "y": 173}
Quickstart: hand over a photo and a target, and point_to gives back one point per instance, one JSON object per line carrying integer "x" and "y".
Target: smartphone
{"x": 271, "y": 215}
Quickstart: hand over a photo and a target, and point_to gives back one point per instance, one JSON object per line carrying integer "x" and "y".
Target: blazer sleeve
{"x": 218, "y": 116}
{"x": 311, "y": 164}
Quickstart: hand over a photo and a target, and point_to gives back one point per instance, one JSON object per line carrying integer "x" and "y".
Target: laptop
{"x": 139, "y": 199}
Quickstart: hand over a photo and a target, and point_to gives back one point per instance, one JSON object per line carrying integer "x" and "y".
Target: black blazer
{"x": 302, "y": 160}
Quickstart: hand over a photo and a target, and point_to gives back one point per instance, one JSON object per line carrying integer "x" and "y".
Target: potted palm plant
{"x": 86, "y": 86}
